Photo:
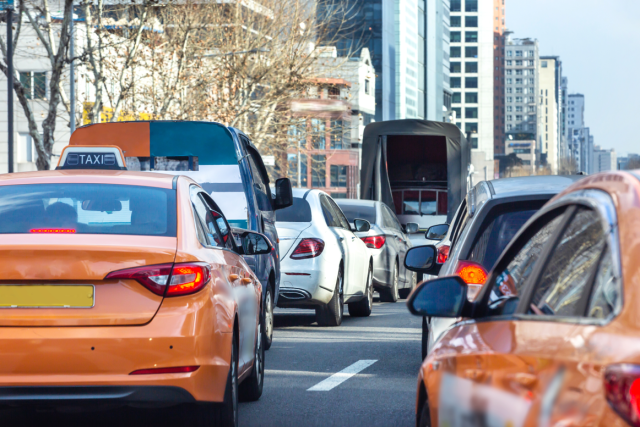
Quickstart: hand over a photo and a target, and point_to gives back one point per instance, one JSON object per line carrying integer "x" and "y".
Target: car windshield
{"x": 300, "y": 211}
{"x": 496, "y": 236}
{"x": 87, "y": 209}
{"x": 359, "y": 211}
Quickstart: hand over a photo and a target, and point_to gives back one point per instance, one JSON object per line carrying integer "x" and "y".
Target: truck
{"x": 419, "y": 168}
{"x": 225, "y": 163}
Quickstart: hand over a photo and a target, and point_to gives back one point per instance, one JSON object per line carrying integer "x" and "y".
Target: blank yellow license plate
{"x": 46, "y": 296}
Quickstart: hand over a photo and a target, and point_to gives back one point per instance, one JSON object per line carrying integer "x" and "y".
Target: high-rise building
{"x": 498, "y": 74}
{"x": 438, "y": 93}
{"x": 410, "y": 52}
{"x": 564, "y": 151}
{"x": 522, "y": 90}
{"x": 604, "y": 160}
{"x": 550, "y": 105}
{"x": 577, "y": 134}
{"x": 472, "y": 78}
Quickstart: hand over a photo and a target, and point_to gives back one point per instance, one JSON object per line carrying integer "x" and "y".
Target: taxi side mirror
{"x": 284, "y": 194}
{"x": 411, "y": 228}
{"x": 442, "y": 297}
{"x": 437, "y": 232}
{"x": 422, "y": 259}
{"x": 361, "y": 225}
{"x": 252, "y": 243}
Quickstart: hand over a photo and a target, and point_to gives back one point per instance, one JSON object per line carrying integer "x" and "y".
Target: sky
{"x": 598, "y": 42}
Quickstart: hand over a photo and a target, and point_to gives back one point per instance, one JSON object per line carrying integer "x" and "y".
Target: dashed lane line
{"x": 340, "y": 377}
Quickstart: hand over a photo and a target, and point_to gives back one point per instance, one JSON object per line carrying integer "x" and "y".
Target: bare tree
{"x": 54, "y": 37}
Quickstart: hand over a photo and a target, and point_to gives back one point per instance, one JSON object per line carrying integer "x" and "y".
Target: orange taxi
{"x": 553, "y": 338}
{"x": 121, "y": 287}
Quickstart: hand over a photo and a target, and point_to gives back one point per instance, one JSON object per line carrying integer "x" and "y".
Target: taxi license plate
{"x": 47, "y": 296}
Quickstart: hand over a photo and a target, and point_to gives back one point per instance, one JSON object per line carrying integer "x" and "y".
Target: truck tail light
{"x": 308, "y": 248}
{"x": 182, "y": 279}
{"x": 443, "y": 254}
{"x": 374, "y": 242}
{"x": 622, "y": 390}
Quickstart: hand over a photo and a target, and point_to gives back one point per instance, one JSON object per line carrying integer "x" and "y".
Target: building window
{"x": 518, "y": 53}
{"x": 35, "y": 84}
{"x": 509, "y": 62}
{"x": 455, "y": 22}
{"x": 471, "y": 36}
{"x": 518, "y": 108}
{"x": 509, "y": 90}
{"x": 543, "y": 64}
{"x": 471, "y": 21}
{"x": 455, "y": 5}
{"x": 471, "y": 97}
{"x": 508, "y": 72}
{"x": 458, "y": 112}
{"x": 532, "y": 81}
{"x": 518, "y": 72}
{"x": 319, "y": 170}
{"x": 293, "y": 169}
{"x": 455, "y": 82}
{"x": 518, "y": 63}
{"x": 509, "y": 53}
{"x": 456, "y": 67}
{"x": 471, "y": 5}
{"x": 509, "y": 117}
{"x": 338, "y": 176}
{"x": 471, "y": 127}
{"x": 456, "y": 98}
{"x": 318, "y": 137}
{"x": 26, "y": 148}
{"x": 455, "y": 52}
{"x": 367, "y": 86}
{"x": 518, "y": 118}
{"x": 337, "y": 135}
{"x": 471, "y": 52}
{"x": 509, "y": 99}
{"x": 509, "y": 109}
{"x": 519, "y": 99}
{"x": 471, "y": 67}
{"x": 518, "y": 81}
{"x": 471, "y": 113}
{"x": 531, "y": 100}
{"x": 509, "y": 81}
{"x": 471, "y": 82}
{"x": 456, "y": 37}
{"x": 509, "y": 127}
{"x": 531, "y": 53}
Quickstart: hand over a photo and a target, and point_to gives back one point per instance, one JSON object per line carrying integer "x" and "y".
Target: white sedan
{"x": 323, "y": 263}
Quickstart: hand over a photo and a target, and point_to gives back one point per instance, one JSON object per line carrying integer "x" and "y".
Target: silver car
{"x": 388, "y": 243}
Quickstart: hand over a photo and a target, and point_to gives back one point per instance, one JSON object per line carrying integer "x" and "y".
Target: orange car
{"x": 127, "y": 288}
{"x": 553, "y": 338}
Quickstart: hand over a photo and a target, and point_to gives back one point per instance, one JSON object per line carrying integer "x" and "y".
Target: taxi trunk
{"x": 59, "y": 280}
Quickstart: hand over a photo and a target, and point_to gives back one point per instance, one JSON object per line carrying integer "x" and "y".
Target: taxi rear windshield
{"x": 87, "y": 209}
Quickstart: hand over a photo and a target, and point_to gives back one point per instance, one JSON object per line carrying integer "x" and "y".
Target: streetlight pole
{"x": 9, "y": 17}
{"x": 72, "y": 76}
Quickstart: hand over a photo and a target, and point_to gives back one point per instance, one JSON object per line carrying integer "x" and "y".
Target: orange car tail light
{"x": 188, "y": 278}
{"x": 374, "y": 242}
{"x": 308, "y": 248}
{"x": 182, "y": 279}
{"x": 53, "y": 230}
{"x": 443, "y": 254}
{"x": 173, "y": 370}
{"x": 471, "y": 272}
{"x": 622, "y": 390}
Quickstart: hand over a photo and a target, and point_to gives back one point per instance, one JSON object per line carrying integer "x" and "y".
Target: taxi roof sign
{"x": 106, "y": 157}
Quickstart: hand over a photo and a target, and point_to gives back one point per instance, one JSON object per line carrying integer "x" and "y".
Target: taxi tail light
{"x": 183, "y": 279}
{"x": 471, "y": 272}
{"x": 173, "y": 370}
{"x": 308, "y": 248}
{"x": 622, "y": 390}
{"x": 188, "y": 278}
{"x": 443, "y": 254}
{"x": 374, "y": 242}
{"x": 152, "y": 277}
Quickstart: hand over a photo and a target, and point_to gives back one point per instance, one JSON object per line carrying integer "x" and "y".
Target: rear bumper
{"x": 311, "y": 285}
{"x": 145, "y": 396}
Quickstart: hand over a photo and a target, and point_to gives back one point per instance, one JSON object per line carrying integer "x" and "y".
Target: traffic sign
{"x": 6, "y": 4}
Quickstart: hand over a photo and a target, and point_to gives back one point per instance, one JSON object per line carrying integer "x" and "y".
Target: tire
{"x": 405, "y": 292}
{"x": 331, "y": 314}
{"x": 425, "y": 338}
{"x": 267, "y": 336}
{"x": 425, "y": 416}
{"x": 390, "y": 294}
{"x": 251, "y": 388}
{"x": 225, "y": 413}
{"x": 363, "y": 307}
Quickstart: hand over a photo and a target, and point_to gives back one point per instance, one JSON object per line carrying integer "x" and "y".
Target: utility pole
{"x": 9, "y": 22}
{"x": 72, "y": 76}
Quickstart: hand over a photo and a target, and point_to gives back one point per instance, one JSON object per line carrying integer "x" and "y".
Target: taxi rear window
{"x": 87, "y": 209}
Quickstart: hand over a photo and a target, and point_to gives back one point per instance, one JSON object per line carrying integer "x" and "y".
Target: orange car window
{"x": 606, "y": 298}
{"x": 565, "y": 279}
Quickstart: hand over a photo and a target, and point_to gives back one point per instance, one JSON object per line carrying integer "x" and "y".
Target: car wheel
{"x": 390, "y": 294}
{"x": 363, "y": 307}
{"x": 331, "y": 314}
{"x": 268, "y": 319}
{"x": 225, "y": 413}
{"x": 404, "y": 293}
{"x": 251, "y": 388}
{"x": 425, "y": 338}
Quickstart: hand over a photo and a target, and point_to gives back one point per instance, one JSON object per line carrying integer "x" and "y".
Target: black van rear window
{"x": 87, "y": 209}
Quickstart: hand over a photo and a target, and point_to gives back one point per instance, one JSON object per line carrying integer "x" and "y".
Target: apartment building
{"x": 604, "y": 160}
{"x": 550, "y": 111}
{"x": 410, "y": 59}
{"x": 438, "y": 93}
{"x": 472, "y": 78}
{"x": 499, "y": 42}
{"x": 577, "y": 133}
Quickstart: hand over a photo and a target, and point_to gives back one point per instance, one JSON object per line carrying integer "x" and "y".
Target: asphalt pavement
{"x": 385, "y": 349}
{"x": 362, "y": 373}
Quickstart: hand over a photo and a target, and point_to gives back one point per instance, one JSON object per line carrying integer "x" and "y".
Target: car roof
{"x": 147, "y": 179}
{"x": 531, "y": 185}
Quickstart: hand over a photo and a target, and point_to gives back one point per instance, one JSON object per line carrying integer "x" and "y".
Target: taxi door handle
{"x": 477, "y": 375}
{"x": 233, "y": 277}
{"x": 246, "y": 280}
{"x": 526, "y": 380}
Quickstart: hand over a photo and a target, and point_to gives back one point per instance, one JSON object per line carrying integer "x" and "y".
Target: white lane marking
{"x": 340, "y": 377}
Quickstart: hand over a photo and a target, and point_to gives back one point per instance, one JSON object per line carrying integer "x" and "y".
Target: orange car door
{"x": 491, "y": 369}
